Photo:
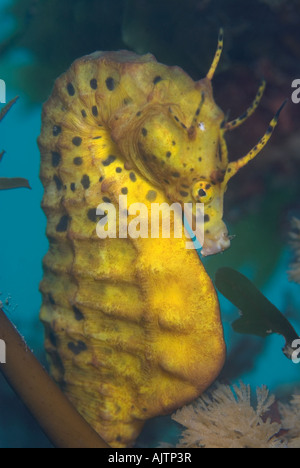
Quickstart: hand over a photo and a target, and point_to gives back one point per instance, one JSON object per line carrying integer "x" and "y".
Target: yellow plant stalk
{"x": 64, "y": 427}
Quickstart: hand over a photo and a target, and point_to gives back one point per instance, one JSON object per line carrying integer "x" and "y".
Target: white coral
{"x": 290, "y": 415}
{"x": 226, "y": 419}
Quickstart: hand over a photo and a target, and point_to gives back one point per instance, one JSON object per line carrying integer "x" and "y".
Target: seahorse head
{"x": 182, "y": 149}
{"x": 179, "y": 145}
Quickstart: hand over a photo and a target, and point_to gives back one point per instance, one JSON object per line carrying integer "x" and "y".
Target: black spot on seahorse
{"x": 51, "y": 299}
{"x": 56, "y": 158}
{"x": 58, "y": 182}
{"x": 63, "y": 223}
{"x": 94, "y": 83}
{"x": 78, "y": 314}
{"x": 151, "y": 195}
{"x": 70, "y": 89}
{"x": 77, "y": 348}
{"x": 92, "y": 216}
{"x": 85, "y": 182}
{"x": 110, "y": 83}
{"x": 52, "y": 337}
{"x": 56, "y": 130}
{"x": 111, "y": 158}
{"x": 77, "y": 161}
{"x": 77, "y": 141}
{"x": 132, "y": 176}
{"x": 157, "y": 79}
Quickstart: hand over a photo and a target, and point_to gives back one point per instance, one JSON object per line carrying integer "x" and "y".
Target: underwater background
{"x": 39, "y": 39}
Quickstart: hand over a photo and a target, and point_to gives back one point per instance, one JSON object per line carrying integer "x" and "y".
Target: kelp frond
{"x": 290, "y": 415}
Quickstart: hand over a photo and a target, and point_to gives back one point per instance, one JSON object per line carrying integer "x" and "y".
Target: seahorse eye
{"x": 203, "y": 191}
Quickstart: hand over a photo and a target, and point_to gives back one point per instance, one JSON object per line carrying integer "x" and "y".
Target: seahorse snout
{"x": 216, "y": 242}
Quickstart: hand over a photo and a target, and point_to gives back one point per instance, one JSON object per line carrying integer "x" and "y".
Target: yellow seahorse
{"x": 132, "y": 326}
